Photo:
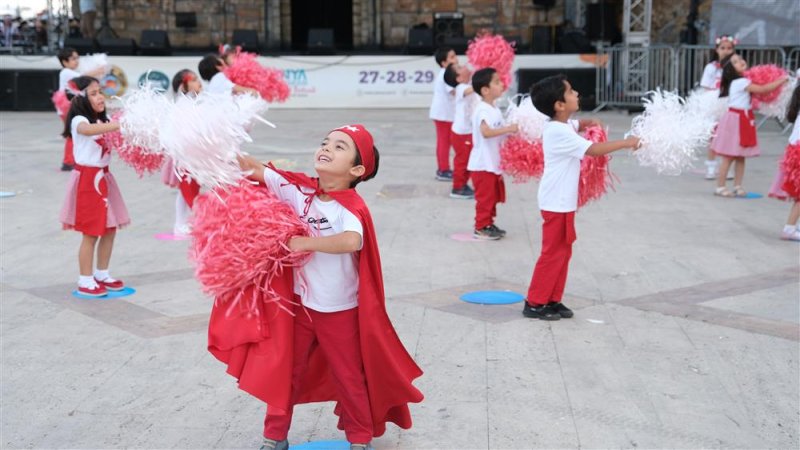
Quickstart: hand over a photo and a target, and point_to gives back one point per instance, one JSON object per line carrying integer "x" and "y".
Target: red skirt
{"x": 93, "y": 204}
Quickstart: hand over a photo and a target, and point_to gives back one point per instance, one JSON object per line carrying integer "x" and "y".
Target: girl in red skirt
{"x": 736, "y": 139}
{"x": 186, "y": 83}
{"x": 787, "y": 180}
{"x": 93, "y": 204}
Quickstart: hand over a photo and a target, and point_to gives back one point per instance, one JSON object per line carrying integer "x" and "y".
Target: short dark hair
{"x": 547, "y": 91}
{"x": 357, "y": 162}
{"x": 451, "y": 75}
{"x": 177, "y": 80}
{"x": 481, "y": 79}
{"x": 80, "y": 106}
{"x": 64, "y": 54}
{"x": 208, "y": 66}
{"x": 440, "y": 55}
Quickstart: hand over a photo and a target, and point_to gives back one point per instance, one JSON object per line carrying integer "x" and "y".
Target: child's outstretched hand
{"x": 633, "y": 142}
{"x": 513, "y": 128}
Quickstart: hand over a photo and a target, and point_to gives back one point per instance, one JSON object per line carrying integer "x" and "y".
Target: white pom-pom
{"x": 528, "y": 118}
{"x": 778, "y": 108}
{"x": 707, "y": 103}
{"x": 671, "y": 135}
{"x": 144, "y": 111}
{"x": 91, "y": 62}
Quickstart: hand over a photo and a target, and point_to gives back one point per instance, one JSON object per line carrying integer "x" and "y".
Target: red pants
{"x": 462, "y": 144}
{"x": 337, "y": 336}
{"x": 489, "y": 191}
{"x": 550, "y": 273}
{"x": 443, "y": 144}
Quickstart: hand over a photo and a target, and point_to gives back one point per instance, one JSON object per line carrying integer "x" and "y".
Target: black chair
{"x": 420, "y": 41}
{"x": 320, "y": 41}
{"x": 247, "y": 39}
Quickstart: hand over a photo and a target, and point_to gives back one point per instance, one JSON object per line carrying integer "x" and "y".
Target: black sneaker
{"x": 487, "y": 234}
{"x": 66, "y": 167}
{"x": 543, "y": 312}
{"x": 463, "y": 193}
{"x": 499, "y": 231}
{"x": 444, "y": 175}
{"x": 469, "y": 190}
{"x": 562, "y": 310}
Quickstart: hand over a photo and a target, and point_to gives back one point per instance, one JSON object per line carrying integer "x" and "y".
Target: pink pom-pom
{"x": 520, "y": 159}
{"x": 269, "y": 82}
{"x": 791, "y": 170}
{"x": 61, "y": 103}
{"x": 240, "y": 238}
{"x": 596, "y": 176}
{"x": 765, "y": 74}
{"x": 138, "y": 158}
{"x": 492, "y": 50}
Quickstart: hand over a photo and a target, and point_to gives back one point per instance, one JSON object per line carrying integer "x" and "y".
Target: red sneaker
{"x": 97, "y": 291}
{"x": 116, "y": 285}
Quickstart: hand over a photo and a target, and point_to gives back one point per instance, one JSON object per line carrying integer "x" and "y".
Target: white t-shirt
{"x": 327, "y": 282}
{"x": 738, "y": 97}
{"x": 443, "y": 105}
{"x": 220, "y": 84}
{"x": 485, "y": 155}
{"x": 465, "y": 106}
{"x": 563, "y": 151}
{"x": 794, "y": 138}
{"x": 86, "y": 151}
{"x": 65, "y": 76}
{"x": 711, "y": 76}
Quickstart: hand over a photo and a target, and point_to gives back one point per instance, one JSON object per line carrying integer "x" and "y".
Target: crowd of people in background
{"x": 31, "y": 35}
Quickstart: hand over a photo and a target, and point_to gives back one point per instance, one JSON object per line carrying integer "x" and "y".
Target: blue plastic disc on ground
{"x": 4, "y": 194}
{"x": 126, "y": 291}
{"x": 492, "y": 297}
{"x": 752, "y": 195}
{"x": 322, "y": 445}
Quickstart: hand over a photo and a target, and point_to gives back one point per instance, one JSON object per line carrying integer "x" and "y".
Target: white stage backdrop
{"x": 316, "y": 81}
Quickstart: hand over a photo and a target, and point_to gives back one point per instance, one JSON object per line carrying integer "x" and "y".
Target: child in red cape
{"x": 339, "y": 345}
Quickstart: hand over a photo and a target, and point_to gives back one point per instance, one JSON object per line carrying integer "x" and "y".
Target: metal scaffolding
{"x": 635, "y": 60}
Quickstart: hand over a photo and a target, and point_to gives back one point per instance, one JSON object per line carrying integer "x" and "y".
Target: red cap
{"x": 364, "y": 145}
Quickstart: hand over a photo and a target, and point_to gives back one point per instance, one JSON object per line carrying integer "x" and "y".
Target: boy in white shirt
{"x": 564, "y": 149}
{"x": 211, "y": 69}
{"x": 442, "y": 111}
{"x": 461, "y": 131}
{"x": 484, "y": 160}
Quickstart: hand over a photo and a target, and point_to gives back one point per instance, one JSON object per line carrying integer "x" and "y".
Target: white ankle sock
{"x": 789, "y": 228}
{"x": 86, "y": 281}
{"x": 101, "y": 274}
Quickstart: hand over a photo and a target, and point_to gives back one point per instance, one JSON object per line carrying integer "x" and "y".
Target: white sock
{"x": 711, "y": 163}
{"x": 86, "y": 281}
{"x": 182, "y": 212}
{"x": 102, "y": 274}
{"x": 789, "y": 228}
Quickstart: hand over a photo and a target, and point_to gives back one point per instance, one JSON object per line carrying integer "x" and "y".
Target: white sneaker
{"x": 791, "y": 235}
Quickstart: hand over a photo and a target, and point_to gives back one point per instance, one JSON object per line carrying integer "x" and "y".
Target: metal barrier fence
{"x": 793, "y": 60}
{"x": 630, "y": 72}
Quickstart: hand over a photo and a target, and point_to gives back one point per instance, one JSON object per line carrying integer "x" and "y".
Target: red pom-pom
{"x": 791, "y": 170}
{"x": 240, "y": 238}
{"x": 61, "y": 103}
{"x": 140, "y": 159}
{"x": 520, "y": 159}
{"x": 246, "y": 71}
{"x": 765, "y": 74}
{"x": 488, "y": 50}
{"x": 596, "y": 176}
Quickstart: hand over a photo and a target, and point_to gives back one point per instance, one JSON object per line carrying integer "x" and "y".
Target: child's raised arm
{"x": 256, "y": 167}
{"x": 244, "y": 90}
{"x": 489, "y": 132}
{"x": 602, "y": 148}
{"x": 765, "y": 88}
{"x": 344, "y": 242}
{"x": 93, "y": 129}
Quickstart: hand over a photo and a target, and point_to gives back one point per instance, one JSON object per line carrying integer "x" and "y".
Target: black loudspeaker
{"x": 447, "y": 25}
{"x": 155, "y": 43}
{"x": 186, "y": 20}
{"x": 546, "y": 4}
{"x": 582, "y": 80}
{"x": 81, "y": 45}
{"x": 116, "y": 46}
{"x": 601, "y": 21}
{"x": 28, "y": 90}
{"x": 320, "y": 41}
{"x": 459, "y": 44}
{"x": 543, "y": 39}
{"x": 420, "y": 41}
{"x": 247, "y": 39}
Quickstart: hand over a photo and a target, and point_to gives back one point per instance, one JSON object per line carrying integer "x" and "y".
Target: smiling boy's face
{"x": 336, "y": 155}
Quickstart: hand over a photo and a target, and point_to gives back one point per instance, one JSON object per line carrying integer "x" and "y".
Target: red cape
{"x": 258, "y": 351}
